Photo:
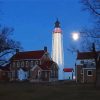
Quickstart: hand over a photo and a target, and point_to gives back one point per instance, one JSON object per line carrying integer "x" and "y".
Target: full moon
{"x": 75, "y": 36}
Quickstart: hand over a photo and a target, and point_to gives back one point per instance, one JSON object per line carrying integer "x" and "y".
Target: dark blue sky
{"x": 33, "y": 21}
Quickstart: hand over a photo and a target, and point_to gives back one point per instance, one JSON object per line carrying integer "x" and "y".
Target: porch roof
{"x": 68, "y": 69}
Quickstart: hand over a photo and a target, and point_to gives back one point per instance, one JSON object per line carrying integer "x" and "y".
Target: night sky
{"x": 33, "y": 22}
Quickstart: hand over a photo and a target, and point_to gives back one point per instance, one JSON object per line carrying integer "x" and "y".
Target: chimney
{"x": 93, "y": 47}
{"x": 78, "y": 51}
{"x": 45, "y": 48}
{"x": 17, "y": 50}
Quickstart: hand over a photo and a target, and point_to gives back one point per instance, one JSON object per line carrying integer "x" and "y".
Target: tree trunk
{"x": 98, "y": 74}
{"x": 97, "y": 62}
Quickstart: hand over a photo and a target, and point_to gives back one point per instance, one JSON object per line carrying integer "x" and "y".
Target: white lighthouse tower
{"x": 57, "y": 49}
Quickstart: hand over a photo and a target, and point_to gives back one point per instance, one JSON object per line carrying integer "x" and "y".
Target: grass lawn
{"x": 30, "y": 91}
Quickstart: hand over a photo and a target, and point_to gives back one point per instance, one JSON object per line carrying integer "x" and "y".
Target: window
{"x": 93, "y": 64}
{"x": 82, "y": 62}
{"x": 84, "y": 65}
{"x": 31, "y": 74}
{"x": 27, "y": 63}
{"x": 31, "y": 63}
{"x": 55, "y": 74}
{"x": 22, "y": 64}
{"x": 46, "y": 74}
{"x": 36, "y": 62}
{"x": 13, "y": 74}
{"x": 81, "y": 71}
{"x": 13, "y": 64}
{"x": 39, "y": 73}
{"x": 89, "y": 72}
{"x": 52, "y": 73}
{"x": 9, "y": 74}
{"x": 18, "y": 64}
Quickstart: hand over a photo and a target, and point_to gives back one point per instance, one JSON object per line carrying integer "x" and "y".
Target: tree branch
{"x": 5, "y": 52}
{"x": 92, "y": 8}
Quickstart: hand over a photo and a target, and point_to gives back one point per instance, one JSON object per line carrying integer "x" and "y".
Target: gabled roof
{"x": 28, "y": 55}
{"x": 86, "y": 55}
{"x": 34, "y": 67}
{"x": 46, "y": 65}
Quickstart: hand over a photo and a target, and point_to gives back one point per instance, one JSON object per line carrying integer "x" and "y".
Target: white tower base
{"x": 60, "y": 73}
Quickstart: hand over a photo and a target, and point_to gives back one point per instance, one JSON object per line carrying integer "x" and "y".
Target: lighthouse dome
{"x": 57, "y": 23}
{"x": 57, "y": 30}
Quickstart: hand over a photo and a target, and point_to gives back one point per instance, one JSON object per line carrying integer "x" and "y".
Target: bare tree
{"x": 88, "y": 37}
{"x": 91, "y": 37}
{"x": 7, "y": 45}
{"x": 92, "y": 5}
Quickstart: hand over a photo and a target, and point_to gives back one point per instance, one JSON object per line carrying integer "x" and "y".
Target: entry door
{"x": 22, "y": 75}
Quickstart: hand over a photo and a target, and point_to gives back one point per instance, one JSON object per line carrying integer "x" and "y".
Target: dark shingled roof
{"x": 28, "y": 55}
{"x": 86, "y": 55}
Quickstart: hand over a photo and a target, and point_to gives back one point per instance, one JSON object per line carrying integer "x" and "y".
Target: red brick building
{"x": 33, "y": 66}
{"x": 85, "y": 68}
{"x": 4, "y": 73}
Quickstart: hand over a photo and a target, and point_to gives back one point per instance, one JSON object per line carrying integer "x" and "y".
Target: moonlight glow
{"x": 75, "y": 36}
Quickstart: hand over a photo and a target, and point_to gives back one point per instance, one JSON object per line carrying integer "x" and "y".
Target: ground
{"x": 66, "y": 91}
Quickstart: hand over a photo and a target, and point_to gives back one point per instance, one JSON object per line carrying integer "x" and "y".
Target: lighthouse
{"x": 57, "y": 49}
